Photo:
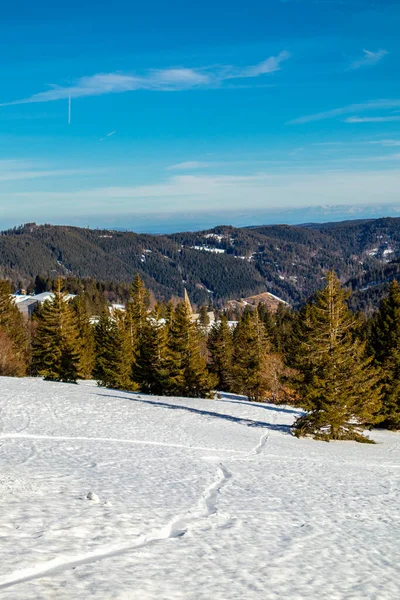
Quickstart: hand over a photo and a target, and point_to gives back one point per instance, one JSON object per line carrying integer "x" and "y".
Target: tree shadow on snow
{"x": 233, "y": 399}
{"x": 208, "y": 413}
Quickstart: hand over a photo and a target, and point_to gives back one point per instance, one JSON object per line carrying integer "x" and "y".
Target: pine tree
{"x": 384, "y": 345}
{"x": 136, "y": 316}
{"x": 186, "y": 363}
{"x": 204, "y": 318}
{"x": 220, "y": 346}
{"x": 85, "y": 336}
{"x": 56, "y": 351}
{"x": 112, "y": 363}
{"x": 336, "y": 382}
{"x": 151, "y": 370}
{"x": 268, "y": 319}
{"x": 250, "y": 375}
{"x": 14, "y": 342}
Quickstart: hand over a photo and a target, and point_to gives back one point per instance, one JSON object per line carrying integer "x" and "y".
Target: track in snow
{"x": 261, "y": 444}
{"x": 207, "y": 507}
{"x": 63, "y": 438}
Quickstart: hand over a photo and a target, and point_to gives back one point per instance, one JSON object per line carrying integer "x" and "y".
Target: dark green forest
{"x": 288, "y": 261}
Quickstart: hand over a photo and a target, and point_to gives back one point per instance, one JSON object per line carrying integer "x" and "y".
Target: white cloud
{"x": 388, "y": 119}
{"x": 369, "y": 59}
{"x": 18, "y": 170}
{"x": 189, "y": 165}
{"x": 185, "y": 192}
{"x": 385, "y": 142}
{"x": 343, "y": 110}
{"x": 272, "y": 64}
{"x": 173, "y": 79}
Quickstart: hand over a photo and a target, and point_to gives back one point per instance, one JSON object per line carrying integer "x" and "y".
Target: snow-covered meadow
{"x": 188, "y": 499}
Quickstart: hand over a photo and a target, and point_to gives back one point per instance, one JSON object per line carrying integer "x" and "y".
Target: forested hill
{"x": 215, "y": 265}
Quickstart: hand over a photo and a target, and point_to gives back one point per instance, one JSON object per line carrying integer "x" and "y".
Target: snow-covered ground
{"x": 191, "y": 499}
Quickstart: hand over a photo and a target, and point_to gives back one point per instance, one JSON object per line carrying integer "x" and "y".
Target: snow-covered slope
{"x": 189, "y": 499}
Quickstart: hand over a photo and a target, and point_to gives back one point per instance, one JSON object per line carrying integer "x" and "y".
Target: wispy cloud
{"x": 173, "y": 79}
{"x": 368, "y": 59}
{"x": 388, "y": 119}
{"x": 224, "y": 191}
{"x": 343, "y": 110}
{"x": 385, "y": 142}
{"x": 190, "y": 165}
{"x": 18, "y": 170}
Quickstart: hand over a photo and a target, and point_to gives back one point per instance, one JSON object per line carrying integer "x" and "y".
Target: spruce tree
{"x": 14, "y": 339}
{"x": 85, "y": 336}
{"x": 151, "y": 370}
{"x": 250, "y": 374}
{"x": 112, "y": 363}
{"x": 220, "y": 346}
{"x": 135, "y": 317}
{"x": 335, "y": 382}
{"x": 56, "y": 350}
{"x": 384, "y": 345}
{"x": 204, "y": 318}
{"x": 186, "y": 363}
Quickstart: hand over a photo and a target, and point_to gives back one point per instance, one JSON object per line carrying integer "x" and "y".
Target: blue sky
{"x": 184, "y": 115}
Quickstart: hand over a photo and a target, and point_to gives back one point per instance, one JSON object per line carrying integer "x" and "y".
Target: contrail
{"x": 108, "y": 135}
{"x": 69, "y": 109}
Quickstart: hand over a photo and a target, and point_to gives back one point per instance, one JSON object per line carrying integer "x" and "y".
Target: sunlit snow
{"x": 106, "y": 494}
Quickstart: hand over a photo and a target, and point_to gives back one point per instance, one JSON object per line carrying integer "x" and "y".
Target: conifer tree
{"x": 85, "y": 336}
{"x": 168, "y": 312}
{"x": 220, "y": 346}
{"x": 151, "y": 370}
{"x": 186, "y": 364}
{"x": 267, "y": 318}
{"x": 112, "y": 363}
{"x": 136, "y": 315}
{"x": 204, "y": 318}
{"x": 336, "y": 382}
{"x": 13, "y": 335}
{"x": 56, "y": 351}
{"x": 384, "y": 345}
{"x": 250, "y": 374}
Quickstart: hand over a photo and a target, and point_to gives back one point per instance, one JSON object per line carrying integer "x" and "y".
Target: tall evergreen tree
{"x": 151, "y": 370}
{"x": 56, "y": 351}
{"x": 186, "y": 363}
{"x": 384, "y": 345}
{"x": 85, "y": 336}
{"x": 135, "y": 316}
{"x": 250, "y": 374}
{"x": 336, "y": 382}
{"x": 220, "y": 346}
{"x": 112, "y": 363}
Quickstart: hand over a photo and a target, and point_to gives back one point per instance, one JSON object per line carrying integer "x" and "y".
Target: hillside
{"x": 106, "y": 494}
{"x": 217, "y": 265}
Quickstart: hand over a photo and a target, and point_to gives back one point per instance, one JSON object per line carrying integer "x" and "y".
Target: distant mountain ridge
{"x": 216, "y": 265}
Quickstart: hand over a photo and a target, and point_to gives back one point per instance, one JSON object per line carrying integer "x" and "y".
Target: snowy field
{"x": 192, "y": 499}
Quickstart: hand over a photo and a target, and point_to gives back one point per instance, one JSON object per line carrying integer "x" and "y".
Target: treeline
{"x": 341, "y": 368}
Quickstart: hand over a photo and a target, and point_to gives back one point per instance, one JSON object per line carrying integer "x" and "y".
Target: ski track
{"x": 176, "y": 528}
{"x": 63, "y": 438}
